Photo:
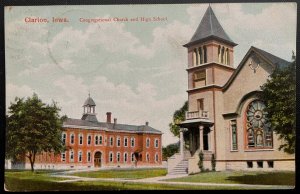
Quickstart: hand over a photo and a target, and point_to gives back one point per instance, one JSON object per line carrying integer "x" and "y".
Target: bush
{"x": 213, "y": 162}
{"x": 200, "y": 163}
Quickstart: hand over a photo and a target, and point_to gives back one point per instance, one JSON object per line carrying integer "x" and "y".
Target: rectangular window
{"x": 118, "y": 157}
{"x": 118, "y": 141}
{"x": 80, "y": 139}
{"x": 200, "y": 104}
{"x": 111, "y": 141}
{"x": 148, "y": 143}
{"x": 100, "y": 139}
{"x": 125, "y": 157}
{"x": 260, "y": 164}
{"x": 80, "y": 156}
{"x": 132, "y": 157}
{"x": 89, "y": 156}
{"x": 63, "y": 156}
{"x": 110, "y": 157}
{"x": 72, "y": 139}
{"x": 249, "y": 164}
{"x": 271, "y": 164}
{"x": 199, "y": 78}
{"x": 72, "y": 156}
{"x": 132, "y": 141}
{"x": 64, "y": 136}
{"x": 156, "y": 143}
{"x": 156, "y": 157}
{"x": 89, "y": 140}
{"x": 96, "y": 140}
{"x": 125, "y": 142}
{"x": 233, "y": 135}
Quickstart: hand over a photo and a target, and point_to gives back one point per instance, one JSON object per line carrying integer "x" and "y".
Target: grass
{"x": 42, "y": 181}
{"x": 240, "y": 177}
{"x": 124, "y": 173}
{"x": 28, "y": 184}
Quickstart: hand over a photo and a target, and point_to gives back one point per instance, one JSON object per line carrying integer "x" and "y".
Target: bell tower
{"x": 89, "y": 110}
{"x": 210, "y": 53}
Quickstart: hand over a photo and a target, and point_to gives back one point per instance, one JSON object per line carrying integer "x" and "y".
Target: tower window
{"x": 199, "y": 78}
{"x": 205, "y": 54}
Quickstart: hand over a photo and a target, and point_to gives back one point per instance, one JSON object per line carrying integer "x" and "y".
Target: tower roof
{"x": 89, "y": 102}
{"x": 210, "y": 27}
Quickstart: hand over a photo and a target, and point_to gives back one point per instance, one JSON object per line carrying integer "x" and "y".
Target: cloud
{"x": 13, "y": 91}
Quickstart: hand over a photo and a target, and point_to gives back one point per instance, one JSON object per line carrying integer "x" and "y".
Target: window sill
{"x": 234, "y": 150}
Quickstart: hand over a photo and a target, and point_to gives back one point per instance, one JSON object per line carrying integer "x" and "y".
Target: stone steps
{"x": 180, "y": 168}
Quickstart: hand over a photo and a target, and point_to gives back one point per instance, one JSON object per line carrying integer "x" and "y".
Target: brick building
{"x": 93, "y": 144}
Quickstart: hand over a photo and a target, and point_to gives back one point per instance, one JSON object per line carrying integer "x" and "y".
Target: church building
{"x": 93, "y": 144}
{"x": 225, "y": 118}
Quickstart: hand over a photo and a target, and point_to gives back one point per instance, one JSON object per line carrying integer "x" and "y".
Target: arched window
{"x": 125, "y": 157}
{"x": 195, "y": 58}
{"x": 201, "y": 55}
{"x": 96, "y": 140}
{"x": 222, "y": 54}
{"x": 219, "y": 54}
{"x": 64, "y": 137}
{"x": 205, "y": 54}
{"x": 118, "y": 157}
{"x": 72, "y": 138}
{"x": 259, "y": 133}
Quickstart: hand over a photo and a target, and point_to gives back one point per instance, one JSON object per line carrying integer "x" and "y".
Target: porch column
{"x": 181, "y": 142}
{"x": 201, "y": 136}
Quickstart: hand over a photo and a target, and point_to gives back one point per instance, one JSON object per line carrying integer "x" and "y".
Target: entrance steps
{"x": 180, "y": 168}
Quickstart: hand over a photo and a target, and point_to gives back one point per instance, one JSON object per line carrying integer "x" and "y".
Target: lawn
{"x": 240, "y": 177}
{"x": 124, "y": 173}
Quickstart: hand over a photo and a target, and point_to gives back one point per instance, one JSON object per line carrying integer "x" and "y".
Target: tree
{"x": 279, "y": 94}
{"x": 33, "y": 127}
{"x": 178, "y": 116}
{"x": 170, "y": 150}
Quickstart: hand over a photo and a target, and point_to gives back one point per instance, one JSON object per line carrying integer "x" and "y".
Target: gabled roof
{"x": 273, "y": 60}
{"x": 85, "y": 124}
{"x": 210, "y": 27}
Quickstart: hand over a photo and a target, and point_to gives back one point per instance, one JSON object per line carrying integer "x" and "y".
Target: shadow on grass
{"x": 269, "y": 178}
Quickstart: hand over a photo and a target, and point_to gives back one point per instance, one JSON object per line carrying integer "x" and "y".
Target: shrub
{"x": 200, "y": 163}
{"x": 213, "y": 162}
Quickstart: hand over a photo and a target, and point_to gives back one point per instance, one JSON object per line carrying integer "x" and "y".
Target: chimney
{"x": 115, "y": 120}
{"x": 147, "y": 123}
{"x": 108, "y": 117}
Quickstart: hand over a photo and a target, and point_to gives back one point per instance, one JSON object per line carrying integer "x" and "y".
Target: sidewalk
{"x": 162, "y": 180}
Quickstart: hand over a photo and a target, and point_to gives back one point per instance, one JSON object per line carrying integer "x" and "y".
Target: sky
{"x": 134, "y": 69}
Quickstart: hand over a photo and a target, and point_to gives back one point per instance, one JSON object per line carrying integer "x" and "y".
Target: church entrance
{"x": 97, "y": 160}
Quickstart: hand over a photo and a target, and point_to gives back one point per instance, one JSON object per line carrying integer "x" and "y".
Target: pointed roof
{"x": 89, "y": 102}
{"x": 210, "y": 27}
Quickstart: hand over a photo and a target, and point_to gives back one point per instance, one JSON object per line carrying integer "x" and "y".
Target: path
{"x": 161, "y": 180}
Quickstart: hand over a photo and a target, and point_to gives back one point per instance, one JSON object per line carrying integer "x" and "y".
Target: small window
{"x": 100, "y": 140}
{"x": 111, "y": 141}
{"x": 118, "y": 141}
{"x": 96, "y": 140}
{"x": 132, "y": 157}
{"x": 132, "y": 141}
{"x": 72, "y": 139}
{"x": 259, "y": 164}
{"x": 271, "y": 164}
{"x": 156, "y": 157}
{"x": 118, "y": 157}
{"x": 80, "y": 156}
{"x": 63, "y": 156}
{"x": 71, "y": 156}
{"x": 64, "y": 136}
{"x": 89, "y": 140}
{"x": 147, "y": 142}
{"x": 125, "y": 157}
{"x": 249, "y": 164}
{"x": 125, "y": 142}
{"x": 199, "y": 75}
{"x": 89, "y": 156}
{"x": 80, "y": 139}
{"x": 156, "y": 143}
{"x": 233, "y": 135}
{"x": 110, "y": 157}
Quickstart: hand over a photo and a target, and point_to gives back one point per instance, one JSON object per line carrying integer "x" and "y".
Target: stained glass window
{"x": 259, "y": 133}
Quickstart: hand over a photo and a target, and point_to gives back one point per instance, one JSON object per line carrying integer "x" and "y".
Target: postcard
{"x": 150, "y": 96}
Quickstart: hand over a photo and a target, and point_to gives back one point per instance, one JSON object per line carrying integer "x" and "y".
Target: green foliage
{"x": 170, "y": 150}
{"x": 279, "y": 94}
{"x": 33, "y": 127}
{"x": 178, "y": 117}
{"x": 200, "y": 163}
{"x": 213, "y": 162}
